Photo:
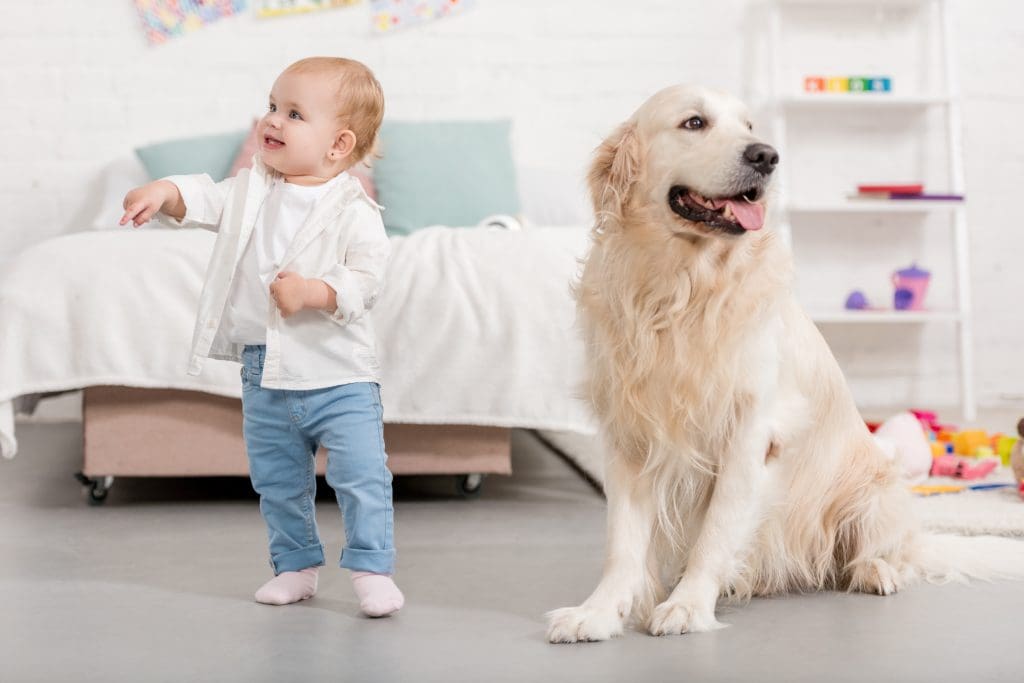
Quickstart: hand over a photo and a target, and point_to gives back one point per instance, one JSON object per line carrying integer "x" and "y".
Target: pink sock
{"x": 378, "y": 595}
{"x": 288, "y": 587}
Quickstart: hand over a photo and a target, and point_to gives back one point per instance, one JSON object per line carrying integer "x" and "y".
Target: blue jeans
{"x": 282, "y": 430}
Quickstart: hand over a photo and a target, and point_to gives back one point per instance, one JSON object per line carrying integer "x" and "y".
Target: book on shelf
{"x": 906, "y": 191}
{"x": 901, "y": 196}
{"x": 927, "y": 196}
{"x": 906, "y": 187}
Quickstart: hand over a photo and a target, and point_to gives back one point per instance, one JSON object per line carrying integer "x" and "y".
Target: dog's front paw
{"x": 583, "y": 623}
{"x": 876, "y": 576}
{"x": 674, "y": 618}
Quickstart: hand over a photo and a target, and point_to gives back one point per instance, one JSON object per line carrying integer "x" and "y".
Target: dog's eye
{"x": 750, "y": 127}
{"x": 692, "y": 123}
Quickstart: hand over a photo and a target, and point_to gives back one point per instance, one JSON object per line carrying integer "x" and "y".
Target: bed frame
{"x": 134, "y": 432}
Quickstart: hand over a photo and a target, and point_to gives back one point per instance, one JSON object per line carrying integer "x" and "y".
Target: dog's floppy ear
{"x": 614, "y": 172}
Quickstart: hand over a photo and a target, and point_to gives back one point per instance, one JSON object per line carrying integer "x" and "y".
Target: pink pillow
{"x": 364, "y": 174}
{"x": 243, "y": 159}
{"x": 361, "y": 172}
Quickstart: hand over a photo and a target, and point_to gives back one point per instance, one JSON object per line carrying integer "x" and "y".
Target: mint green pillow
{"x": 444, "y": 173}
{"x": 210, "y": 154}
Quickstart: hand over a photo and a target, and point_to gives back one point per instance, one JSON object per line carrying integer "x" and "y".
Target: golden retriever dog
{"x": 737, "y": 464}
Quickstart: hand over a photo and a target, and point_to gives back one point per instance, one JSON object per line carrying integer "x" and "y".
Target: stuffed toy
{"x": 1017, "y": 458}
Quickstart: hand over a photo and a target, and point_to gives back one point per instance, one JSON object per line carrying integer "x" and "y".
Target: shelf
{"x": 861, "y": 99}
{"x": 879, "y": 206}
{"x": 917, "y": 101}
{"x": 870, "y": 3}
{"x": 843, "y": 316}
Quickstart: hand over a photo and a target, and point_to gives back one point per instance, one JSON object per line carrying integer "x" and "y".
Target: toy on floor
{"x": 925, "y": 447}
{"x": 934, "y": 489}
{"x": 948, "y": 440}
{"x": 903, "y": 440}
{"x": 1017, "y": 458}
{"x": 960, "y": 467}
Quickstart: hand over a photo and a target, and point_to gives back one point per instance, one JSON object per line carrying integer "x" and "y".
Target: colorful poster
{"x": 391, "y": 15}
{"x": 165, "y": 19}
{"x": 276, "y": 8}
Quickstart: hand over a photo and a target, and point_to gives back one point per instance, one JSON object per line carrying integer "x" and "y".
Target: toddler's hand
{"x": 289, "y": 293}
{"x": 141, "y": 203}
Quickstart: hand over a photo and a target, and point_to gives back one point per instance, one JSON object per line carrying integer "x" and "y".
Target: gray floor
{"x": 157, "y": 585}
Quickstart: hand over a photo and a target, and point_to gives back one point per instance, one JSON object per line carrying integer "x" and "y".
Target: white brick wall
{"x": 81, "y": 87}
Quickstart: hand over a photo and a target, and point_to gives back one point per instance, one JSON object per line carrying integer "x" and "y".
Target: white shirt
{"x": 285, "y": 209}
{"x": 342, "y": 242}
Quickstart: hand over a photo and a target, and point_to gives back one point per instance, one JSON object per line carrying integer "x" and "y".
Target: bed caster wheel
{"x": 469, "y": 485}
{"x": 96, "y": 489}
{"x": 97, "y": 495}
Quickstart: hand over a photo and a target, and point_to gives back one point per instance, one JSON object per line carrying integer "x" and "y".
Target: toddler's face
{"x": 301, "y": 125}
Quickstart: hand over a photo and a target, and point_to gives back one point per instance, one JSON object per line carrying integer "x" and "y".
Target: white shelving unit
{"x": 786, "y": 98}
{"x": 876, "y": 207}
{"x": 885, "y": 100}
{"x": 868, "y": 317}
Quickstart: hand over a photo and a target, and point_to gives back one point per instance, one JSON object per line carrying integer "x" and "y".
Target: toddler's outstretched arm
{"x": 143, "y": 202}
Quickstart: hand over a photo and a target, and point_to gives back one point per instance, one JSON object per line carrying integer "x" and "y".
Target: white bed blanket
{"x": 474, "y": 326}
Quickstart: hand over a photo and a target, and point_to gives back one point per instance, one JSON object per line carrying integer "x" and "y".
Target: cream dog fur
{"x": 737, "y": 462}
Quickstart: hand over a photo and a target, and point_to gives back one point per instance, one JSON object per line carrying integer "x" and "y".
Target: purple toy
{"x": 911, "y": 286}
{"x": 856, "y": 301}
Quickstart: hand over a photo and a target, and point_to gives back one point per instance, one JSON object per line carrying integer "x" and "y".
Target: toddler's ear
{"x": 343, "y": 145}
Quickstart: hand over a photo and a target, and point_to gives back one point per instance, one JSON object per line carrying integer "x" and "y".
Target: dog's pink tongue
{"x": 748, "y": 214}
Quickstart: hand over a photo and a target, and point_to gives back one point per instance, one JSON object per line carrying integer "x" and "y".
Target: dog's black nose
{"x": 762, "y": 157}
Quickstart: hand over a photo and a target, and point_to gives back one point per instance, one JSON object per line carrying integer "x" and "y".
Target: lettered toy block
{"x": 859, "y": 84}
{"x": 838, "y": 84}
{"x": 814, "y": 84}
{"x": 881, "y": 84}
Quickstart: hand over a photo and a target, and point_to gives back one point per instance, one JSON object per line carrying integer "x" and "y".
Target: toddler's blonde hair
{"x": 360, "y": 98}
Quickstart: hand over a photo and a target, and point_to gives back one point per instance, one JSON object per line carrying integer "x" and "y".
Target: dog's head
{"x": 687, "y": 159}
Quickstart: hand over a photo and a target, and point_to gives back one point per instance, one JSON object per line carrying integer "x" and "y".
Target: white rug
{"x": 998, "y": 512}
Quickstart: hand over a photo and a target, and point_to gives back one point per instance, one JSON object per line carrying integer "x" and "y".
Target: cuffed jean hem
{"x": 376, "y": 561}
{"x": 294, "y": 560}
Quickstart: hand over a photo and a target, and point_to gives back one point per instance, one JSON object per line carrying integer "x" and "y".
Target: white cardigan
{"x": 342, "y": 243}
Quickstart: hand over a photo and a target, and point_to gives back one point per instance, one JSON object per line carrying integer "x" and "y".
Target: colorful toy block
{"x": 853, "y": 84}
{"x": 858, "y": 84}
{"x": 838, "y": 84}
{"x": 880, "y": 84}
{"x": 814, "y": 84}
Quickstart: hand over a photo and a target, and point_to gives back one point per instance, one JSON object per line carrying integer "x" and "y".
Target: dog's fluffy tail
{"x": 941, "y": 558}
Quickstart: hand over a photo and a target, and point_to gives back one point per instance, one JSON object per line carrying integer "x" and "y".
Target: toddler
{"x": 298, "y": 262}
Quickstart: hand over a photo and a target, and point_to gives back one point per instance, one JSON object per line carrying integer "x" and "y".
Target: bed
{"x": 475, "y": 327}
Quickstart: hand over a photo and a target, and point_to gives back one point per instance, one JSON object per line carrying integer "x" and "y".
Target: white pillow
{"x": 116, "y": 179}
{"x": 549, "y": 196}
{"x": 500, "y": 221}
